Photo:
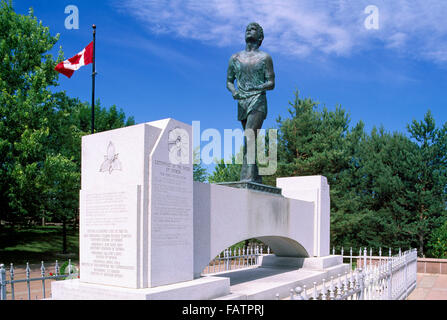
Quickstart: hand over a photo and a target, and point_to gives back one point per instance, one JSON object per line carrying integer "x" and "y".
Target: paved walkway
{"x": 430, "y": 287}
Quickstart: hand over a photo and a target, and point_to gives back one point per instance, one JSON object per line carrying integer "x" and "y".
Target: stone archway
{"x": 224, "y": 216}
{"x": 284, "y": 247}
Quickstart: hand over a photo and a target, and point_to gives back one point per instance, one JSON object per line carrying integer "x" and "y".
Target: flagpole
{"x": 93, "y": 79}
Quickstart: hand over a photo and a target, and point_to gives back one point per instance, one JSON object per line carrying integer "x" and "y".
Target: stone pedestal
{"x": 316, "y": 190}
{"x": 207, "y": 288}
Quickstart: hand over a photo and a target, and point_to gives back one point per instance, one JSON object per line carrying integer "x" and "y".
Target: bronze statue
{"x": 253, "y": 71}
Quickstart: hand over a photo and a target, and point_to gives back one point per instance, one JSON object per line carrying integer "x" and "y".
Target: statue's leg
{"x": 250, "y": 169}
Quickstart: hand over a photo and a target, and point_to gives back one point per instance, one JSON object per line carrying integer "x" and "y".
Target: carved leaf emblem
{"x": 178, "y": 142}
{"x": 111, "y": 162}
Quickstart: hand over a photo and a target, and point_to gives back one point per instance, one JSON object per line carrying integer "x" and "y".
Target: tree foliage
{"x": 387, "y": 189}
{"x": 199, "y": 172}
{"x": 40, "y": 130}
{"x": 226, "y": 172}
{"x": 438, "y": 242}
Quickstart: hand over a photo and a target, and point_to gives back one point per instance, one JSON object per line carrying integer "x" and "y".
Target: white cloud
{"x": 302, "y": 27}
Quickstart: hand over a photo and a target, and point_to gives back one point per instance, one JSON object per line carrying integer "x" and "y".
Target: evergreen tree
{"x": 381, "y": 188}
{"x": 199, "y": 172}
{"x": 438, "y": 243}
{"x": 429, "y": 178}
{"x": 386, "y": 190}
{"x": 226, "y": 172}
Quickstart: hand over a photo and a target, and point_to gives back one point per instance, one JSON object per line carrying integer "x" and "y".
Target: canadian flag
{"x": 83, "y": 58}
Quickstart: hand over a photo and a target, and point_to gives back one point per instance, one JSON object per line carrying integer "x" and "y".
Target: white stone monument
{"x": 147, "y": 230}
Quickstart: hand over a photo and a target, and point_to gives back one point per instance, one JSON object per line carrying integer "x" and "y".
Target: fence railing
{"x": 386, "y": 278}
{"x": 240, "y": 258}
{"x": 11, "y": 283}
{"x": 365, "y": 255}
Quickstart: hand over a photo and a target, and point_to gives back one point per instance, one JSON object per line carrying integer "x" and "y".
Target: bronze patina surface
{"x": 252, "y": 70}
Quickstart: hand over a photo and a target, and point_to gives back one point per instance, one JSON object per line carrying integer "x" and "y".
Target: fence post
{"x": 362, "y": 284}
{"x": 314, "y": 292}
{"x": 304, "y": 295}
{"x": 390, "y": 278}
{"x": 350, "y": 258}
{"x": 11, "y": 275}
{"x": 2, "y": 282}
{"x": 339, "y": 290}
{"x": 323, "y": 290}
{"x": 56, "y": 268}
{"x": 298, "y": 291}
{"x": 345, "y": 285}
{"x": 28, "y": 271}
{"x": 364, "y": 258}
{"x": 42, "y": 272}
{"x": 406, "y": 274}
{"x": 331, "y": 289}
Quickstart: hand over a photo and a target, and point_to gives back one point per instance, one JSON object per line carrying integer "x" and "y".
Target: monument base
{"x": 206, "y": 288}
{"x": 252, "y": 186}
{"x": 275, "y": 275}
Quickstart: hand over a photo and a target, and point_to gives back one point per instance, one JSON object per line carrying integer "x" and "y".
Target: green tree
{"x": 386, "y": 190}
{"x": 105, "y": 118}
{"x": 380, "y": 183}
{"x": 227, "y": 172}
{"x": 429, "y": 178}
{"x": 61, "y": 178}
{"x": 438, "y": 243}
{"x": 40, "y": 131}
{"x": 26, "y": 104}
{"x": 199, "y": 172}
{"x": 312, "y": 141}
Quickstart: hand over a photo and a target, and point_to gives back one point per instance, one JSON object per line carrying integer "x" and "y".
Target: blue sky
{"x": 160, "y": 59}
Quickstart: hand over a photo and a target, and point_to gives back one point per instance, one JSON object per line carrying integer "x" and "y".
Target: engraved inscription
{"x": 106, "y": 234}
{"x": 172, "y": 205}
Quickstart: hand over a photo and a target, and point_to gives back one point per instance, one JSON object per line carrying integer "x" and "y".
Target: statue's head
{"x": 254, "y": 33}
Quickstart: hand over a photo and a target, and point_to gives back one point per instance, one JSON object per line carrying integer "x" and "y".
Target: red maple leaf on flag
{"x": 83, "y": 58}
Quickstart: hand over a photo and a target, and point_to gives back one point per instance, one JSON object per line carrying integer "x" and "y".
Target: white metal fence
{"x": 9, "y": 282}
{"x": 386, "y": 278}
{"x": 239, "y": 258}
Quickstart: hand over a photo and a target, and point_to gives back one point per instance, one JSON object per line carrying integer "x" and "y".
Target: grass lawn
{"x": 36, "y": 244}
